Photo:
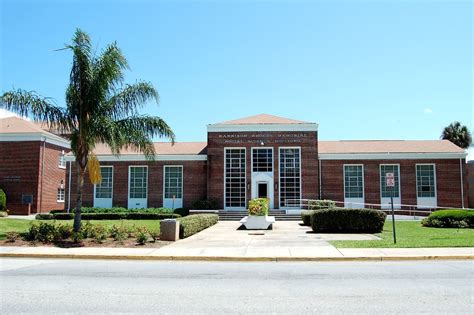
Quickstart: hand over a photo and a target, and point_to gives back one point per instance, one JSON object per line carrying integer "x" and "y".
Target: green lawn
{"x": 18, "y": 225}
{"x": 412, "y": 234}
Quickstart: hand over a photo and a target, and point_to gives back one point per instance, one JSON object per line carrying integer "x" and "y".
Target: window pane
{"x": 235, "y": 178}
{"x": 425, "y": 181}
{"x": 138, "y": 182}
{"x": 353, "y": 181}
{"x": 262, "y": 160}
{"x": 290, "y": 190}
{"x": 104, "y": 189}
{"x": 386, "y": 191}
{"x": 173, "y": 182}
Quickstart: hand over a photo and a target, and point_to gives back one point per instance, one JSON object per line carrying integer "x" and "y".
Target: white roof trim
{"x": 22, "y": 137}
{"x": 141, "y": 157}
{"x": 261, "y": 127}
{"x": 390, "y": 156}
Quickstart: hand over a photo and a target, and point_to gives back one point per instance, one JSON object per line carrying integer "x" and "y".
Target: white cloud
{"x": 428, "y": 110}
{"x": 6, "y": 113}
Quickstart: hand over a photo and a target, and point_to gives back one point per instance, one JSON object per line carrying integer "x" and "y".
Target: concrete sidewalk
{"x": 288, "y": 241}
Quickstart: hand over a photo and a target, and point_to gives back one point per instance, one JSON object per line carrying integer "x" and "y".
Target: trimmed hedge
{"x": 450, "y": 219}
{"x": 348, "y": 221}
{"x": 195, "y": 223}
{"x": 306, "y": 217}
{"x": 3, "y": 200}
{"x": 321, "y": 204}
{"x": 110, "y": 216}
{"x": 258, "y": 207}
{"x": 206, "y": 204}
{"x": 123, "y": 210}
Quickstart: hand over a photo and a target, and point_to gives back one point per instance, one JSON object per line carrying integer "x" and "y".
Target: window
{"x": 60, "y": 196}
{"x": 138, "y": 182}
{"x": 353, "y": 181}
{"x": 425, "y": 180}
{"x": 104, "y": 189}
{"x": 235, "y": 178}
{"x": 386, "y": 191}
{"x": 262, "y": 159}
{"x": 173, "y": 182}
{"x": 290, "y": 177}
{"x": 62, "y": 160}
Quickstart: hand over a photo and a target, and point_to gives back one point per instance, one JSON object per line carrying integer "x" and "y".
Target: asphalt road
{"x": 50, "y": 286}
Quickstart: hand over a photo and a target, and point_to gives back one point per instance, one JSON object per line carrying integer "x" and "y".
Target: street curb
{"x": 236, "y": 259}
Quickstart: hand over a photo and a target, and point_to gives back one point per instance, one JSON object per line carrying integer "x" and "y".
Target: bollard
{"x": 169, "y": 230}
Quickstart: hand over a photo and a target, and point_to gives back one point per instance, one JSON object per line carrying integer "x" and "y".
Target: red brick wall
{"x": 218, "y": 141}
{"x": 470, "y": 180}
{"x": 448, "y": 181}
{"x": 194, "y": 183}
{"x": 20, "y": 173}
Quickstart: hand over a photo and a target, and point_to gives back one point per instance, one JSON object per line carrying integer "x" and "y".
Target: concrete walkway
{"x": 288, "y": 241}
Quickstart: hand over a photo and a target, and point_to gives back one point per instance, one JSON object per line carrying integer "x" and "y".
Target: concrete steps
{"x": 280, "y": 215}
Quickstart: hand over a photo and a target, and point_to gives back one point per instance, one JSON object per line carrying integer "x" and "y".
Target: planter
{"x": 254, "y": 222}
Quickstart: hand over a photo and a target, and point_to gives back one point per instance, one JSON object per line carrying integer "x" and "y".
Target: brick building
{"x": 32, "y": 167}
{"x": 280, "y": 159}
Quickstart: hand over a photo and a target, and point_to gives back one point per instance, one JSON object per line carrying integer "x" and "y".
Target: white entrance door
{"x": 354, "y": 186}
{"x": 426, "y": 186}
{"x": 385, "y": 192}
{"x": 173, "y": 186}
{"x": 137, "y": 187}
{"x": 103, "y": 192}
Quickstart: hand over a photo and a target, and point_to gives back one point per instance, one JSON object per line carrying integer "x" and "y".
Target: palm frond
{"x": 131, "y": 98}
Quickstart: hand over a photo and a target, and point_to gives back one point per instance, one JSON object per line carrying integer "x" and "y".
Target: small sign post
{"x": 390, "y": 182}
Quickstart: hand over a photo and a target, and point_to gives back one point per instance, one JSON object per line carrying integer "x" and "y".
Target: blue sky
{"x": 361, "y": 69}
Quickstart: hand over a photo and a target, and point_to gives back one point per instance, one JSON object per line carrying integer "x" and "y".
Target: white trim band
{"x": 390, "y": 156}
{"x": 23, "y": 137}
{"x": 261, "y": 127}
{"x": 141, "y": 157}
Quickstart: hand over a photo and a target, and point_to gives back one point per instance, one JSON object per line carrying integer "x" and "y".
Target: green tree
{"x": 457, "y": 134}
{"x": 100, "y": 108}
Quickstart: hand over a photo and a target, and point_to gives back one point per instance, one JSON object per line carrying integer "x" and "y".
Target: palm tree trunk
{"x": 80, "y": 186}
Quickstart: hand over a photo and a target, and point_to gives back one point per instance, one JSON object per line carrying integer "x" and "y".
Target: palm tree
{"x": 100, "y": 108}
{"x": 457, "y": 134}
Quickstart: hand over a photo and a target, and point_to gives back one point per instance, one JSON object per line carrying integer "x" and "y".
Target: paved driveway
{"x": 287, "y": 239}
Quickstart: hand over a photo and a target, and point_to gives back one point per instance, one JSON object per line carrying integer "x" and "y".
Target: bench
{"x": 254, "y": 222}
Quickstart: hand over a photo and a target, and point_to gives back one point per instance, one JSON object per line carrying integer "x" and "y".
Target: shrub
{"x": 88, "y": 210}
{"x": 181, "y": 211}
{"x": 99, "y": 234}
{"x": 44, "y": 216}
{"x": 258, "y": 206}
{"x": 42, "y": 232}
{"x": 195, "y": 223}
{"x": 450, "y": 219}
{"x": 321, "y": 204}
{"x": 154, "y": 234}
{"x": 3, "y": 200}
{"x": 64, "y": 231}
{"x": 206, "y": 204}
{"x": 306, "y": 217}
{"x": 116, "y": 216}
{"x": 12, "y": 237}
{"x": 118, "y": 233}
{"x": 77, "y": 237}
{"x": 142, "y": 236}
{"x": 3, "y": 214}
{"x": 348, "y": 220}
{"x": 87, "y": 230}
{"x": 57, "y": 211}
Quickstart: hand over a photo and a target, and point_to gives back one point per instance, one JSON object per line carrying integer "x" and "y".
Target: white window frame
{"x": 279, "y": 176}
{"x": 58, "y": 195}
{"x": 252, "y": 149}
{"x": 62, "y": 160}
{"x": 147, "y": 184}
{"x": 225, "y": 176}
{"x": 178, "y": 201}
{"x": 360, "y": 201}
{"x": 112, "y": 191}
{"x": 396, "y": 200}
{"x": 427, "y": 202}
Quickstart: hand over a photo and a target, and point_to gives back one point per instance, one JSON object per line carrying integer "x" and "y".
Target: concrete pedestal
{"x": 169, "y": 230}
